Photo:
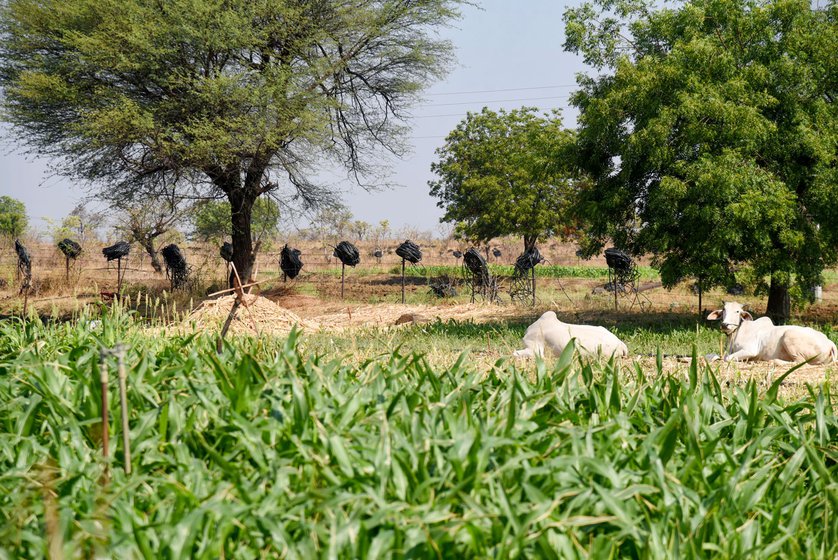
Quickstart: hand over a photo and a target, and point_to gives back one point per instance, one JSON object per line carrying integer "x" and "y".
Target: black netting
{"x": 497, "y": 253}
{"x": 227, "y": 251}
{"x": 618, "y": 260}
{"x": 117, "y": 251}
{"x": 378, "y": 254}
{"x": 289, "y": 262}
{"x": 527, "y": 260}
{"x": 70, "y": 248}
{"x": 444, "y": 287}
{"x": 176, "y": 267}
{"x": 457, "y": 254}
{"x": 347, "y": 253}
{"x": 23, "y": 259}
{"x": 475, "y": 262}
{"x": 409, "y": 251}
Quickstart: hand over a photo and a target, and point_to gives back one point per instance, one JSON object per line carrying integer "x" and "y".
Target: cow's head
{"x": 731, "y": 315}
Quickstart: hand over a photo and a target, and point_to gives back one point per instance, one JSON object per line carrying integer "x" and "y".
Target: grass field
{"x": 394, "y": 443}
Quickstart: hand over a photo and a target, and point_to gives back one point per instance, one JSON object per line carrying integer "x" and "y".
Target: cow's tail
{"x": 833, "y": 353}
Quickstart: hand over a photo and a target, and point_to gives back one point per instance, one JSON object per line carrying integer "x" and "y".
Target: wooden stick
{"x": 533, "y": 286}
{"x": 103, "y": 381}
{"x": 123, "y": 403}
{"x": 219, "y": 343}
{"x": 228, "y": 290}
{"x": 342, "y": 276}
{"x": 402, "y": 281}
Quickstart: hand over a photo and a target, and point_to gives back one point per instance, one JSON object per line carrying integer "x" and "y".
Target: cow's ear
{"x": 746, "y": 316}
{"x": 714, "y": 315}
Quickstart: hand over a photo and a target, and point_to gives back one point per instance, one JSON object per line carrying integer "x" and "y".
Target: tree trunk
{"x": 779, "y": 302}
{"x": 155, "y": 256}
{"x": 529, "y": 242}
{"x": 241, "y": 208}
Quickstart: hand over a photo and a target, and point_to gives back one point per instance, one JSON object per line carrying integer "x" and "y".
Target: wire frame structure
{"x": 523, "y": 278}
{"x": 623, "y": 279}
{"x": 476, "y": 274}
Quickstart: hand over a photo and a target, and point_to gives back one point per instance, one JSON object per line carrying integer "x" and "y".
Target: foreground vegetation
{"x": 267, "y": 450}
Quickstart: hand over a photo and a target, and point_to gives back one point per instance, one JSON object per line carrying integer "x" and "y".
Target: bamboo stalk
{"x": 123, "y": 403}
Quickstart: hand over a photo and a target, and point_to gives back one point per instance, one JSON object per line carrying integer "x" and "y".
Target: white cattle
{"x": 762, "y": 340}
{"x": 550, "y": 333}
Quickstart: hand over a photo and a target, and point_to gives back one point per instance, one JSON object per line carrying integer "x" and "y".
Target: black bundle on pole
{"x": 474, "y": 262}
{"x": 523, "y": 288}
{"x": 23, "y": 259}
{"x": 289, "y": 262}
{"x": 528, "y": 259}
{"x": 347, "y": 253}
{"x": 176, "y": 268}
{"x": 227, "y": 251}
{"x": 496, "y": 252}
{"x": 481, "y": 279}
{"x": 457, "y": 254}
{"x": 24, "y": 270}
{"x": 70, "y": 248}
{"x": 117, "y": 250}
{"x": 409, "y": 251}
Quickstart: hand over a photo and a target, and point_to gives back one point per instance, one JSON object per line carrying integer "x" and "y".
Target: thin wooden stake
{"x": 533, "y": 286}
{"x": 119, "y": 276}
{"x": 67, "y": 269}
{"x": 103, "y": 381}
{"x": 342, "y": 277}
{"x": 402, "y": 281}
{"x": 123, "y": 403}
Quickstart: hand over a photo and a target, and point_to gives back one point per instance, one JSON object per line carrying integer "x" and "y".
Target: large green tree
{"x": 711, "y": 135}
{"x": 236, "y": 98}
{"x": 12, "y": 217}
{"x": 506, "y": 173}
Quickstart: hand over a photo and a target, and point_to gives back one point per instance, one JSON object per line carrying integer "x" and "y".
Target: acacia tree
{"x": 506, "y": 173}
{"x": 234, "y": 98}
{"x": 711, "y": 136}
{"x": 146, "y": 223}
{"x": 12, "y": 217}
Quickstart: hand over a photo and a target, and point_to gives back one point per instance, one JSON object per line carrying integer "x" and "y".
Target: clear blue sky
{"x": 500, "y": 45}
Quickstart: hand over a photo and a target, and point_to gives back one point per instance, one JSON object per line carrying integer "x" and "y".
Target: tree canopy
{"x": 13, "y": 219}
{"x": 711, "y": 136}
{"x": 506, "y": 173}
{"x": 235, "y": 98}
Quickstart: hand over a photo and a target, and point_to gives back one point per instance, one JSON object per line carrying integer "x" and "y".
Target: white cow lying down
{"x": 762, "y": 340}
{"x": 550, "y": 333}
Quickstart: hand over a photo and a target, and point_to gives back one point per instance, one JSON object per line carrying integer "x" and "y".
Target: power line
{"x": 502, "y": 90}
{"x": 498, "y": 101}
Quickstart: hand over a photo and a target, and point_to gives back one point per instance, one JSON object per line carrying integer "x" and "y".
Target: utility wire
{"x": 502, "y": 90}
{"x": 497, "y": 101}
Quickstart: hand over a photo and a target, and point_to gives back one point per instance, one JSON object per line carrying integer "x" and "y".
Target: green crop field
{"x": 298, "y": 448}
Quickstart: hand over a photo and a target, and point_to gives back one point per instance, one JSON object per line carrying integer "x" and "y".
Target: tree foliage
{"x": 712, "y": 134}
{"x": 13, "y": 219}
{"x": 506, "y": 173}
{"x": 234, "y": 98}
{"x": 212, "y": 219}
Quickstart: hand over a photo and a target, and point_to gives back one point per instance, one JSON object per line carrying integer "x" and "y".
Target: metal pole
{"x": 103, "y": 382}
{"x": 402, "y": 281}
{"x": 118, "y": 276}
{"x": 123, "y": 403}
